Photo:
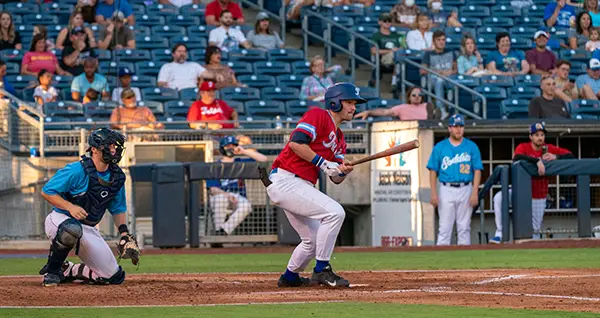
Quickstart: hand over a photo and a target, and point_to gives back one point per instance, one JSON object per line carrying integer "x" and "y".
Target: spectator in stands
{"x": 504, "y": 61}
{"x": 420, "y": 37}
{"x": 387, "y": 43}
{"x": 548, "y": 105}
{"x": 541, "y": 60}
{"x": 4, "y": 84}
{"x": 404, "y": 14}
{"x": 38, "y": 58}
{"x": 442, "y": 61}
{"x": 314, "y": 87}
{"x": 63, "y": 40}
{"x": 208, "y": 108}
{"x": 579, "y": 35}
{"x": 469, "y": 62}
{"x": 132, "y": 116}
{"x": 87, "y": 9}
{"x": 224, "y": 74}
{"x": 116, "y": 35}
{"x": 559, "y": 14}
{"x": 44, "y": 92}
{"x": 73, "y": 55}
{"x": 589, "y": 84}
{"x": 565, "y": 89}
{"x": 10, "y": 38}
{"x": 441, "y": 18}
{"x": 215, "y": 9}
{"x": 262, "y": 36}
{"x": 89, "y": 79}
{"x": 43, "y": 30}
{"x": 415, "y": 109}
{"x": 594, "y": 43}
{"x": 295, "y": 7}
{"x": 180, "y": 73}
{"x": 226, "y": 37}
{"x": 125, "y": 80}
{"x": 591, "y": 7}
{"x": 179, "y": 3}
{"x": 106, "y": 9}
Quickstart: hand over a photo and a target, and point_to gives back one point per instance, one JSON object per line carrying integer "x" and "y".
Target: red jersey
{"x": 539, "y": 185}
{"x": 214, "y": 8}
{"x": 327, "y": 140}
{"x": 218, "y": 110}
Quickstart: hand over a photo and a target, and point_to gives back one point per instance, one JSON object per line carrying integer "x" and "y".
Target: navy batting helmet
{"x": 102, "y": 139}
{"x": 228, "y": 140}
{"x": 342, "y": 91}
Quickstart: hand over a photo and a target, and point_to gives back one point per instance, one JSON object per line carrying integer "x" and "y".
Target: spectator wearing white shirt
{"x": 180, "y": 73}
{"x": 179, "y": 3}
{"x": 125, "y": 78}
{"x": 420, "y": 38}
{"x": 225, "y": 37}
{"x": 44, "y": 93}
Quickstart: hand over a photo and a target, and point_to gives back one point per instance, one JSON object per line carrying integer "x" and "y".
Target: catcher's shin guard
{"x": 116, "y": 279}
{"x": 67, "y": 236}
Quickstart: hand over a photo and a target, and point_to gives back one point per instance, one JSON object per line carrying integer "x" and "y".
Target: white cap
{"x": 538, "y": 33}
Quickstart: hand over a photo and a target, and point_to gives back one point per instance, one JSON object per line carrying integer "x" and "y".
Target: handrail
{"x": 23, "y": 105}
{"x": 330, "y": 44}
{"x": 456, "y": 84}
{"x": 279, "y": 18}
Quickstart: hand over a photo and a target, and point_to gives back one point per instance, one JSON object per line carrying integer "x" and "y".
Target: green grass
{"x": 335, "y": 310}
{"x": 533, "y": 258}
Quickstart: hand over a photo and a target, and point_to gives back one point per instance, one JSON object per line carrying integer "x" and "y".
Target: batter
{"x": 316, "y": 144}
{"x": 456, "y": 161}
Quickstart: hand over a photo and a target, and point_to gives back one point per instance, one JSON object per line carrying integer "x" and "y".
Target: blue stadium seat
{"x": 470, "y": 22}
{"x": 266, "y": 108}
{"x": 151, "y": 42}
{"x": 584, "y": 107}
{"x": 348, "y": 11}
{"x": 13, "y": 68}
{"x": 183, "y": 21}
{"x": 193, "y": 42}
{"x": 257, "y": 81}
{"x": 301, "y": 68}
{"x": 21, "y": 81}
{"x": 189, "y": 94}
{"x": 286, "y": 55}
{"x": 27, "y": 94}
{"x": 63, "y": 108}
{"x": 141, "y": 81}
{"x": 237, "y": 106}
{"x": 138, "y": 9}
{"x": 244, "y": 28}
{"x": 383, "y": 103}
{"x": 528, "y": 80}
{"x": 474, "y": 11}
{"x": 57, "y": 123}
{"x": 12, "y": 55}
{"x": 162, "y": 10}
{"x": 494, "y": 96}
{"x": 25, "y": 30}
{"x": 454, "y": 3}
{"x": 248, "y": 55}
{"x": 161, "y": 55}
{"x": 377, "y": 9}
{"x": 129, "y": 55}
{"x": 290, "y": 80}
{"x": 167, "y": 31}
{"x": 459, "y": 31}
{"x": 177, "y": 108}
{"x": 578, "y": 68}
{"x": 149, "y": 21}
{"x": 529, "y": 22}
{"x": 279, "y": 93}
{"x": 65, "y": 94}
{"x": 505, "y": 11}
{"x": 519, "y": 43}
{"x": 103, "y": 55}
{"x": 39, "y": 18}
{"x": 487, "y": 30}
{"x": 579, "y": 55}
{"x": 20, "y": 8}
{"x": 502, "y": 22}
{"x": 239, "y": 93}
{"x": 159, "y": 94}
{"x": 241, "y": 68}
{"x": 523, "y": 31}
{"x": 272, "y": 68}
{"x": 366, "y": 21}
{"x": 486, "y": 42}
{"x": 339, "y": 36}
{"x": 195, "y": 10}
{"x": 156, "y": 107}
{"x": 368, "y": 93}
{"x": 469, "y": 81}
{"x": 362, "y": 47}
{"x": 514, "y": 108}
{"x": 297, "y": 108}
{"x": 61, "y": 81}
{"x": 148, "y": 68}
{"x": 534, "y": 11}
{"x": 520, "y": 91}
{"x": 57, "y": 9}
{"x": 140, "y": 30}
{"x": 497, "y": 80}
{"x": 487, "y": 3}
{"x": 453, "y": 41}
{"x": 100, "y": 110}
{"x": 111, "y": 68}
{"x": 200, "y": 30}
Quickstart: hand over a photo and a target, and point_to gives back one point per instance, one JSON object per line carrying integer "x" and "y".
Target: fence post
{"x": 403, "y": 81}
{"x": 328, "y": 48}
{"x": 505, "y": 206}
{"x": 584, "y": 215}
{"x": 283, "y": 22}
{"x": 455, "y": 98}
{"x": 352, "y": 48}
{"x": 305, "y": 34}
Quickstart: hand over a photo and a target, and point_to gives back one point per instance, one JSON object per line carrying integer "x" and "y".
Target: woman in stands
{"x": 38, "y": 58}
{"x": 314, "y": 86}
{"x": 420, "y": 37}
{"x": 581, "y": 34}
{"x": 76, "y": 20}
{"x": 9, "y": 36}
{"x": 262, "y": 37}
{"x": 212, "y": 58}
{"x": 469, "y": 61}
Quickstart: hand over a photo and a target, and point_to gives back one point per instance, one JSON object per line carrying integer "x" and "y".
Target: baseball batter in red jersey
{"x": 538, "y": 152}
{"x": 316, "y": 144}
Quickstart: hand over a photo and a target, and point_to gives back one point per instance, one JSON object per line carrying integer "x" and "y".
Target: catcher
{"x": 80, "y": 194}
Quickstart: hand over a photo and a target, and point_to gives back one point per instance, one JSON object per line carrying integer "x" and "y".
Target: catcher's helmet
{"x": 102, "y": 139}
{"x": 342, "y": 91}
{"x": 228, "y": 140}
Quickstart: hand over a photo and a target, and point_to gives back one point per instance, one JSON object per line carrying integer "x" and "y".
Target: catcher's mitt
{"x": 128, "y": 249}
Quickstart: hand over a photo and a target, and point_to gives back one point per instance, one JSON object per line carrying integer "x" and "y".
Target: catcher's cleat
{"x": 301, "y": 282}
{"x": 51, "y": 279}
{"x": 66, "y": 266}
{"x": 328, "y": 278}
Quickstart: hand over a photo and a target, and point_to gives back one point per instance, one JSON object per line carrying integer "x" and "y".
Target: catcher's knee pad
{"x": 118, "y": 277}
{"x": 68, "y": 233}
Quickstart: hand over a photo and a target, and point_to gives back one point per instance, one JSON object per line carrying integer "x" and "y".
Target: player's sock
{"x": 291, "y": 276}
{"x": 320, "y": 266}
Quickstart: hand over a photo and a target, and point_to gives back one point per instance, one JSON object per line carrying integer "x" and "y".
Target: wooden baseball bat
{"x": 390, "y": 152}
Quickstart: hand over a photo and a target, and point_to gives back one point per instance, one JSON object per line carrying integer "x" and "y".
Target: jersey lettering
{"x": 447, "y": 162}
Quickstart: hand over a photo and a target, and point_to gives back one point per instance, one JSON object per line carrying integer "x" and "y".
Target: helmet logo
{"x": 357, "y": 91}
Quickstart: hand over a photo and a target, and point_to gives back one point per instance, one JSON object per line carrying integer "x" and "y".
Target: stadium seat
{"x": 27, "y": 94}
{"x": 54, "y": 30}
{"x": 177, "y": 108}
{"x": 193, "y": 42}
{"x": 580, "y": 55}
{"x": 348, "y": 11}
{"x": 148, "y": 68}
{"x": 529, "y": 22}
{"x": 140, "y": 30}
{"x": 159, "y": 94}
{"x": 138, "y": 9}
{"x": 20, "y": 8}
{"x": 103, "y": 55}
{"x": 266, "y": 108}
{"x": 149, "y": 21}
{"x": 494, "y": 96}
{"x": 244, "y": 28}
{"x": 459, "y": 31}
{"x": 63, "y": 108}
{"x": 241, "y": 68}
{"x": 469, "y": 81}
{"x": 195, "y": 10}
{"x": 156, "y": 107}
{"x": 40, "y": 18}
{"x": 111, "y": 68}
{"x": 199, "y": 30}
{"x": 189, "y": 94}
{"x": 57, "y": 123}
{"x": 383, "y": 103}
{"x": 528, "y": 80}
{"x": 25, "y": 30}
{"x": 474, "y": 11}
{"x": 58, "y": 9}
{"x": 20, "y": 82}
{"x": 534, "y": 11}
{"x": 505, "y": 11}
{"x": 453, "y": 41}
{"x": 151, "y": 42}
{"x": 368, "y": 93}
{"x": 160, "y": 56}
{"x": 524, "y": 92}
{"x": 12, "y": 55}
{"x": 497, "y": 80}
{"x": 340, "y": 36}
{"x": 141, "y": 81}
{"x": 362, "y": 47}
{"x": 248, "y": 55}
{"x": 519, "y": 43}
{"x": 490, "y": 30}
{"x": 290, "y": 80}
{"x": 237, "y": 106}
{"x": 486, "y": 42}
{"x": 174, "y": 122}
{"x": 377, "y": 9}
{"x": 13, "y": 68}
{"x": 514, "y": 108}
{"x": 286, "y": 55}
{"x": 257, "y": 81}
{"x": 162, "y": 10}
{"x": 297, "y": 108}
{"x": 61, "y": 81}
{"x": 272, "y": 68}
{"x": 100, "y": 110}
{"x": 502, "y": 22}
{"x": 129, "y": 55}
{"x": 183, "y": 20}
{"x": 366, "y": 21}
{"x": 240, "y": 93}
{"x": 470, "y": 22}
{"x": 581, "y": 107}
{"x": 279, "y": 93}
{"x": 167, "y": 31}
{"x": 301, "y": 68}
{"x": 486, "y": 3}
{"x": 578, "y": 68}
{"x": 522, "y": 31}
{"x": 65, "y": 94}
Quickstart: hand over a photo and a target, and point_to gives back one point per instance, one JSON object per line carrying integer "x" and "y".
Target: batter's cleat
{"x": 496, "y": 240}
{"x": 301, "y": 282}
{"x": 51, "y": 279}
{"x": 328, "y": 278}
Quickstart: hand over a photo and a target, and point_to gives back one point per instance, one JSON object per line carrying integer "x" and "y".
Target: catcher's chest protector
{"x": 99, "y": 193}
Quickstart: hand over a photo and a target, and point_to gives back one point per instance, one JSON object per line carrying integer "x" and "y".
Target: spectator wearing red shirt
{"x": 213, "y": 12}
{"x": 541, "y": 60}
{"x": 207, "y": 108}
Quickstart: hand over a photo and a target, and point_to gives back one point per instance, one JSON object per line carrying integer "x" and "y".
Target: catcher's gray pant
{"x": 221, "y": 209}
{"x": 537, "y": 213}
{"x": 93, "y": 250}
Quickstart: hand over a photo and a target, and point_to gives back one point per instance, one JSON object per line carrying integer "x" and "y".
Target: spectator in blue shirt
{"x": 5, "y": 84}
{"x": 106, "y": 9}
{"x": 89, "y": 79}
{"x": 589, "y": 84}
{"x": 505, "y": 61}
{"x": 559, "y": 14}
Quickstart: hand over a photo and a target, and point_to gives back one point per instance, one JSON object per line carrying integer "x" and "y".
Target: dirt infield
{"x": 573, "y": 290}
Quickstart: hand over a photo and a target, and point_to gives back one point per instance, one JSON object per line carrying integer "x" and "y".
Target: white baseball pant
{"x": 221, "y": 209}
{"x": 454, "y": 206}
{"x": 316, "y": 217}
{"x": 93, "y": 250}
{"x": 537, "y": 213}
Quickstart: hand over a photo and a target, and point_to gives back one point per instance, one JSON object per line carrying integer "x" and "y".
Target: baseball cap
{"x": 456, "y": 120}
{"x": 127, "y": 93}
{"x": 77, "y": 30}
{"x": 385, "y": 16}
{"x": 594, "y": 64}
{"x": 262, "y": 16}
{"x": 207, "y": 86}
{"x": 537, "y": 127}
{"x": 119, "y": 16}
{"x": 125, "y": 71}
{"x": 540, "y": 33}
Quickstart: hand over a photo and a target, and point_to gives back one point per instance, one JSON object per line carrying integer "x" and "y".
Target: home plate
{"x": 358, "y": 285}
